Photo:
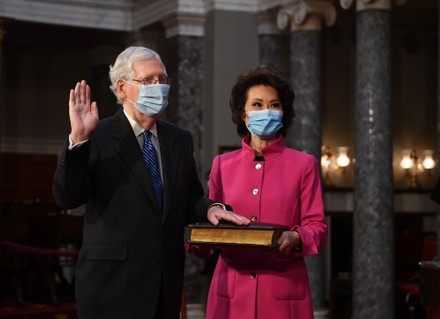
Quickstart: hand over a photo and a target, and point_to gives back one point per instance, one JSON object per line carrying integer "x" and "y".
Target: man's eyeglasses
{"x": 159, "y": 80}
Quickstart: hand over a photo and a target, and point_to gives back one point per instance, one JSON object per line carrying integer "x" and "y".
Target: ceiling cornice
{"x": 111, "y": 15}
{"x": 187, "y": 16}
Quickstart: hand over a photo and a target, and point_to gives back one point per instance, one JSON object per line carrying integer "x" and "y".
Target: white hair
{"x": 123, "y": 67}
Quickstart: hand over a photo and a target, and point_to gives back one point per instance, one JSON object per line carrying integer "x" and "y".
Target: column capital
{"x": 370, "y": 4}
{"x": 306, "y": 14}
{"x": 267, "y": 23}
{"x": 184, "y": 23}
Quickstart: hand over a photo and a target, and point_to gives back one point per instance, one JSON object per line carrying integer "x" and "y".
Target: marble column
{"x": 305, "y": 73}
{"x": 184, "y": 62}
{"x": 274, "y": 45}
{"x": 373, "y": 231}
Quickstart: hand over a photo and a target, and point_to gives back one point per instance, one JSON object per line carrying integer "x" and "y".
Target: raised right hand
{"x": 83, "y": 114}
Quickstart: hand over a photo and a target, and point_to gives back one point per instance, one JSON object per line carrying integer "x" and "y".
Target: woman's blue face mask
{"x": 152, "y": 99}
{"x": 264, "y": 123}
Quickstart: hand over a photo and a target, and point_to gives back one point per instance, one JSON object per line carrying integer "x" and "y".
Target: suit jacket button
{"x": 255, "y": 191}
{"x": 254, "y": 218}
{"x": 253, "y": 275}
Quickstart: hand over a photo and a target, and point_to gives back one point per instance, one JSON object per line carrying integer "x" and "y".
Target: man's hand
{"x": 288, "y": 241}
{"x": 216, "y": 214}
{"x": 83, "y": 114}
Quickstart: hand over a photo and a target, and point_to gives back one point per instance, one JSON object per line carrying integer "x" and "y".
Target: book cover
{"x": 229, "y": 234}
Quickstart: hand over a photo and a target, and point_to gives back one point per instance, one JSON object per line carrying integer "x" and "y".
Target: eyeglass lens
{"x": 161, "y": 80}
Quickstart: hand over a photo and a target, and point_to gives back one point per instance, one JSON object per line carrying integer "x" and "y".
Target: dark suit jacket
{"x": 130, "y": 248}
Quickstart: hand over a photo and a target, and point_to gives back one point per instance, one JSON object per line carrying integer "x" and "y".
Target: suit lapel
{"x": 128, "y": 149}
{"x": 168, "y": 149}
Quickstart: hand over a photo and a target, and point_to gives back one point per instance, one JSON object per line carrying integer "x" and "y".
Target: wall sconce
{"x": 428, "y": 162}
{"x": 331, "y": 163}
{"x": 343, "y": 160}
{"x": 413, "y": 165}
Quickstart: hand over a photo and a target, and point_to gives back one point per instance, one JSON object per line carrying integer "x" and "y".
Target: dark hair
{"x": 261, "y": 75}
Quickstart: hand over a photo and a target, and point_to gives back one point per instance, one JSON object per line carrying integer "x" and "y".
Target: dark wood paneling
{"x": 26, "y": 178}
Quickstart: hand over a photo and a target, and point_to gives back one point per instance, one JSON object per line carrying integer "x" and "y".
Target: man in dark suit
{"x": 131, "y": 262}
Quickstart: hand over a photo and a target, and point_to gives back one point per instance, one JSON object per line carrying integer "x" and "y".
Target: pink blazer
{"x": 285, "y": 189}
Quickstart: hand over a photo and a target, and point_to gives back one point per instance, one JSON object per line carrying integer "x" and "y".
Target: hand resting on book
{"x": 228, "y": 234}
{"x": 217, "y": 214}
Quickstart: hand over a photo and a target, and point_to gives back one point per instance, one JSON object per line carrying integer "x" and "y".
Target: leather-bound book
{"x": 229, "y": 234}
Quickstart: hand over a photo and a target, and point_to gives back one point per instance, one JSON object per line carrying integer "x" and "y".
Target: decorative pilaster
{"x": 274, "y": 46}
{"x": 184, "y": 62}
{"x": 306, "y": 14}
{"x": 306, "y": 18}
{"x": 373, "y": 231}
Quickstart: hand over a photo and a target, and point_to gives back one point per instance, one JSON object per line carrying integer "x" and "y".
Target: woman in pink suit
{"x": 267, "y": 182}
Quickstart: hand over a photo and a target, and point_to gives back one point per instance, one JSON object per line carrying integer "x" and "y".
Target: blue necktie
{"x": 150, "y": 158}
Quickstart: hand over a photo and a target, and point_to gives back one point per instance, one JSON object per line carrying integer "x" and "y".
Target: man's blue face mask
{"x": 264, "y": 123}
{"x": 152, "y": 99}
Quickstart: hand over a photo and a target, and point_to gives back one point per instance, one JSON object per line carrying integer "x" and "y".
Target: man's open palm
{"x": 83, "y": 114}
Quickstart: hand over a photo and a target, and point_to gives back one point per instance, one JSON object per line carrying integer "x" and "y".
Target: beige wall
{"x": 231, "y": 44}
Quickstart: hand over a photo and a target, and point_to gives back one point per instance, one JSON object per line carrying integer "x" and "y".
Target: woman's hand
{"x": 288, "y": 241}
{"x": 216, "y": 214}
{"x": 83, "y": 114}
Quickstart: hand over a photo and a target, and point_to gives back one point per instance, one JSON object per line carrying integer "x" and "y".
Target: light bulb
{"x": 428, "y": 161}
{"x": 406, "y": 162}
{"x": 343, "y": 160}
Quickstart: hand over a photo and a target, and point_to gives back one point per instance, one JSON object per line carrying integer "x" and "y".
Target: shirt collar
{"x": 137, "y": 129}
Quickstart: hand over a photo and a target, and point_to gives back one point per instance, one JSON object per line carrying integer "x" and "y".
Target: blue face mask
{"x": 152, "y": 99}
{"x": 264, "y": 123}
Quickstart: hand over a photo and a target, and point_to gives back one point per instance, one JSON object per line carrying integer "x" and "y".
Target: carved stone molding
{"x": 184, "y": 23}
{"x": 231, "y": 5}
{"x": 370, "y": 4}
{"x": 306, "y": 14}
{"x": 121, "y": 15}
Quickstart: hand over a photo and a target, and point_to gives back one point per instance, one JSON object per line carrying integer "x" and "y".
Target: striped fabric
{"x": 150, "y": 158}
